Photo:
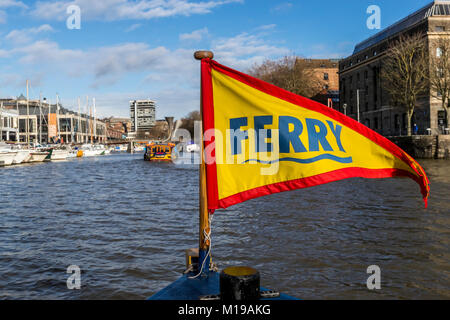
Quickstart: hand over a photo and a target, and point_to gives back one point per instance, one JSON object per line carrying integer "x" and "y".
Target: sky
{"x": 143, "y": 49}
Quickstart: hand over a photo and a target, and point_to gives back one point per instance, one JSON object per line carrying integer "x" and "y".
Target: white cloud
{"x": 25, "y": 35}
{"x": 133, "y": 27}
{"x": 12, "y": 3}
{"x": 245, "y": 49}
{"x": 170, "y": 76}
{"x": 194, "y": 36}
{"x": 106, "y": 65}
{"x": 126, "y": 9}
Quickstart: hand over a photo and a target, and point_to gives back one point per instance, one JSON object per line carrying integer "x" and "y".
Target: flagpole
{"x": 204, "y": 258}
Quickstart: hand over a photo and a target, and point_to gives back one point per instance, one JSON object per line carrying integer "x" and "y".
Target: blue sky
{"x": 134, "y": 49}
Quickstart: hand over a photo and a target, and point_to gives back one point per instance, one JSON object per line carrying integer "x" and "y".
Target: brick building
{"x": 326, "y": 72}
{"x": 117, "y": 128}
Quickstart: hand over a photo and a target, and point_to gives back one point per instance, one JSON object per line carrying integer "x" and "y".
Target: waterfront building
{"x": 9, "y": 125}
{"x": 42, "y": 122}
{"x": 117, "y": 128}
{"x": 142, "y": 113}
{"x": 326, "y": 72}
{"x": 362, "y": 95}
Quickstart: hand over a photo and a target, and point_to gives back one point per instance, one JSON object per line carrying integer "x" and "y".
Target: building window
{"x": 325, "y": 76}
{"x": 440, "y": 28}
{"x": 438, "y": 52}
{"x": 374, "y": 53}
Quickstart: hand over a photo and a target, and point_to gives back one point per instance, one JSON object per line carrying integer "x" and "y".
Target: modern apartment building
{"x": 142, "y": 114}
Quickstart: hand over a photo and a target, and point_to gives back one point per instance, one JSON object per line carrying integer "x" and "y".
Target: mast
{"x": 87, "y": 119}
{"x": 1, "y": 121}
{"x": 90, "y": 123}
{"x": 204, "y": 256}
{"x": 28, "y": 115}
{"x": 94, "y": 129}
{"x": 79, "y": 121}
{"x": 57, "y": 118}
{"x": 40, "y": 117}
{"x": 48, "y": 121}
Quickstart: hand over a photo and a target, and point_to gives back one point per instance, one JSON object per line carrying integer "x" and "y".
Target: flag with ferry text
{"x": 260, "y": 139}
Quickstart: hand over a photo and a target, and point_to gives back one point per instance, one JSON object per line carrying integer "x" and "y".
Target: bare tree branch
{"x": 404, "y": 72}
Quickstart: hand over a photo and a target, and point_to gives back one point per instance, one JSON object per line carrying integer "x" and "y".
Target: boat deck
{"x": 191, "y": 289}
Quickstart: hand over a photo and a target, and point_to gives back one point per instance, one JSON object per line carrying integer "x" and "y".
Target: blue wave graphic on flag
{"x": 326, "y": 156}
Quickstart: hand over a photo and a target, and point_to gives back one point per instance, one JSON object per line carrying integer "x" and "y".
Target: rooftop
{"x": 435, "y": 8}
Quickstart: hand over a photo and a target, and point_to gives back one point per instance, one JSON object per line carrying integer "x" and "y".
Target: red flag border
{"x": 211, "y": 169}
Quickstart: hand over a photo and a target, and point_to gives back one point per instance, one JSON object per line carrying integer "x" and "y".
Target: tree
{"x": 404, "y": 73}
{"x": 188, "y": 122}
{"x": 290, "y": 73}
{"x": 439, "y": 75}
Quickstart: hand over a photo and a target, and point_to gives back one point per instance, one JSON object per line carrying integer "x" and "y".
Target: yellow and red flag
{"x": 260, "y": 139}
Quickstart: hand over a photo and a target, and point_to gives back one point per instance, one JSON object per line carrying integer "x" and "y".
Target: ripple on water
{"x": 126, "y": 223}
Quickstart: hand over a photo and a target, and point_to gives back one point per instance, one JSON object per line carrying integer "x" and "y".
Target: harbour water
{"x": 126, "y": 222}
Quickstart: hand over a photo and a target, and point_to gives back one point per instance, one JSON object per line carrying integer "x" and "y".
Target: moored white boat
{"x": 7, "y": 157}
{"x": 89, "y": 153}
{"x": 22, "y": 156}
{"x": 38, "y": 156}
{"x": 72, "y": 154}
{"x": 58, "y": 154}
{"x": 90, "y": 150}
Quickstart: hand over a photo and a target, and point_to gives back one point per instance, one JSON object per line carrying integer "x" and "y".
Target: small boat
{"x": 99, "y": 149}
{"x": 22, "y": 156}
{"x": 88, "y": 150}
{"x": 139, "y": 149}
{"x": 55, "y": 154}
{"x": 72, "y": 154}
{"x": 58, "y": 154}
{"x": 38, "y": 156}
{"x": 7, "y": 157}
{"x": 193, "y": 148}
{"x": 159, "y": 152}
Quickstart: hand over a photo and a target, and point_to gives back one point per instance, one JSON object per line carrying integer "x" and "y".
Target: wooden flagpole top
{"x": 203, "y": 54}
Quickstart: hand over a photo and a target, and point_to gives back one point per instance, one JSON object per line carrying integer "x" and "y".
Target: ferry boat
{"x": 159, "y": 152}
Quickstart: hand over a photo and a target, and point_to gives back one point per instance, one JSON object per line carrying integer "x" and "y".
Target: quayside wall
{"x": 424, "y": 147}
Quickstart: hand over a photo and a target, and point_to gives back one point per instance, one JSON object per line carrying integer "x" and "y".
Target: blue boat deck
{"x": 186, "y": 288}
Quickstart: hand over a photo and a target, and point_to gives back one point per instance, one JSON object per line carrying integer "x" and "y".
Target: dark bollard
{"x": 239, "y": 284}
